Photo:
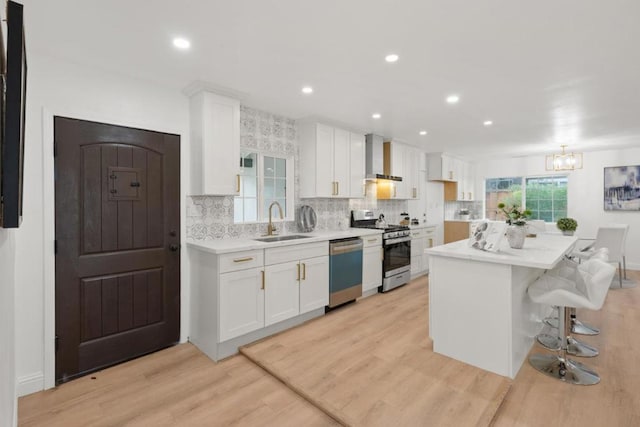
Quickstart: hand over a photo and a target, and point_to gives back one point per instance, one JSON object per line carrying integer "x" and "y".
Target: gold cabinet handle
{"x": 430, "y": 243}
{"x": 333, "y": 190}
{"x": 298, "y": 276}
{"x": 364, "y": 190}
{"x": 262, "y": 273}
{"x": 250, "y": 258}
{"x": 304, "y": 271}
{"x": 372, "y": 240}
{"x": 337, "y": 188}
{"x": 237, "y": 183}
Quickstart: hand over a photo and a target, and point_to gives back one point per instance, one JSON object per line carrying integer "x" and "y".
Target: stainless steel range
{"x": 396, "y": 243}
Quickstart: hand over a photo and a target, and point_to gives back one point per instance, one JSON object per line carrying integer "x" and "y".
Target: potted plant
{"x": 567, "y": 226}
{"x": 517, "y": 219}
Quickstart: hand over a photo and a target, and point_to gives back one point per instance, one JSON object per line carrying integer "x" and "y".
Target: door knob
{"x": 174, "y": 247}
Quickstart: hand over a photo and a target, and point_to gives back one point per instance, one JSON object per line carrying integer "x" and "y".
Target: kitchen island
{"x": 479, "y": 310}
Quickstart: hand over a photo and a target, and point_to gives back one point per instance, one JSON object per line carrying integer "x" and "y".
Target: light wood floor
{"x": 536, "y": 400}
{"x": 178, "y": 386}
{"x": 181, "y": 386}
{"x": 372, "y": 364}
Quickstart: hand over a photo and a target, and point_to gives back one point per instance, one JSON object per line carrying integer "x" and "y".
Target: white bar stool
{"x": 589, "y": 290}
{"x": 613, "y": 238}
{"x": 567, "y": 268}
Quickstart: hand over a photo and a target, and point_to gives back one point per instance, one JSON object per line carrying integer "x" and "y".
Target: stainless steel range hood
{"x": 375, "y": 160}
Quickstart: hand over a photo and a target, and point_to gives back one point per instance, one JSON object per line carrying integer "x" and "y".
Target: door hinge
{"x": 57, "y": 342}
{"x": 55, "y": 246}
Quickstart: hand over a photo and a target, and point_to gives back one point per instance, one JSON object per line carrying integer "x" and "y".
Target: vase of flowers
{"x": 517, "y": 220}
{"x": 567, "y": 226}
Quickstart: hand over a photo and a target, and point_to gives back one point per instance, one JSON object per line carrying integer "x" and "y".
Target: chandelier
{"x": 563, "y": 161}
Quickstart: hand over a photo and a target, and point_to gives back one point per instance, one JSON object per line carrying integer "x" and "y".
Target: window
{"x": 545, "y": 197}
{"x": 264, "y": 179}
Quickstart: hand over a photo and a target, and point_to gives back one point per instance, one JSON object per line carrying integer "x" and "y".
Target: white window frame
{"x": 263, "y": 215}
{"x": 524, "y": 178}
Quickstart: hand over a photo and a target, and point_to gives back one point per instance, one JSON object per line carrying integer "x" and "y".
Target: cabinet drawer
{"x": 295, "y": 252}
{"x": 241, "y": 260}
{"x": 375, "y": 240}
{"x": 416, "y": 234}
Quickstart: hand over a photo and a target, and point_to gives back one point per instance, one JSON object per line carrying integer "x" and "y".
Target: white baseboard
{"x": 28, "y": 384}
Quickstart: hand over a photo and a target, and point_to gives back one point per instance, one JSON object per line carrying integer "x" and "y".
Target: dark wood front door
{"x": 117, "y": 244}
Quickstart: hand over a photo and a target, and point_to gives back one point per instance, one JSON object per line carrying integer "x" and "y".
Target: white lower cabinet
{"x": 421, "y": 239}
{"x": 417, "y": 250}
{"x": 240, "y": 297}
{"x": 281, "y": 301}
{"x": 243, "y": 307}
{"x": 372, "y": 262}
{"x": 296, "y": 287}
{"x": 314, "y": 284}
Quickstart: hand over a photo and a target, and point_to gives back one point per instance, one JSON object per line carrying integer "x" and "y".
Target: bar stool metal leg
{"x": 577, "y": 327}
{"x": 559, "y": 366}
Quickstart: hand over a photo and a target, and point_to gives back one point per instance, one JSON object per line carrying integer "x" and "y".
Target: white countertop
{"x": 543, "y": 251}
{"x": 236, "y": 245}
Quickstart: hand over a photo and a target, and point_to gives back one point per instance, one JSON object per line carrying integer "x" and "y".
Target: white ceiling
{"x": 546, "y": 72}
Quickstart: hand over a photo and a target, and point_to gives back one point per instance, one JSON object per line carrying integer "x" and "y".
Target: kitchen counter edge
{"x": 224, "y": 246}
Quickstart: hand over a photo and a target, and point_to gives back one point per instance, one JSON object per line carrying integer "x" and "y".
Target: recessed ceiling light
{"x": 307, "y": 90}
{"x": 181, "y": 43}
{"x": 376, "y": 115}
{"x": 487, "y": 123}
{"x": 391, "y": 57}
{"x": 423, "y": 132}
{"x": 453, "y": 99}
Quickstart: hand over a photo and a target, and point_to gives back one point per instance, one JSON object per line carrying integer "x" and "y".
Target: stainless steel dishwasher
{"x": 345, "y": 270}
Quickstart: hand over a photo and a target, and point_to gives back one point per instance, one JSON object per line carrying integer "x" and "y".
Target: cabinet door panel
{"x": 324, "y": 161}
{"x": 243, "y": 308}
{"x": 314, "y": 283}
{"x": 397, "y": 169}
{"x": 281, "y": 292}
{"x": 357, "y": 166}
{"x": 371, "y": 268}
{"x": 341, "y": 170}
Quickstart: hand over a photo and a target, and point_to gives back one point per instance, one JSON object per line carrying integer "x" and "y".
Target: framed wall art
{"x": 622, "y": 188}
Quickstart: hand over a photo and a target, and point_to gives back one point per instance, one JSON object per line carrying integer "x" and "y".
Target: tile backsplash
{"x": 451, "y": 209}
{"x": 211, "y": 217}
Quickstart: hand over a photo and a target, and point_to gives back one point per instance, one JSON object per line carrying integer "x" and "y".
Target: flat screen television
{"x": 14, "y": 86}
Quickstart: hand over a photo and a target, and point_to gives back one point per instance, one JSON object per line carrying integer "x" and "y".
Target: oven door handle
{"x": 398, "y": 240}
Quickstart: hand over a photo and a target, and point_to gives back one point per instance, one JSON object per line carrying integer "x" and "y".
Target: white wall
{"x": 585, "y": 191}
{"x": 66, "y": 89}
{"x": 7, "y": 329}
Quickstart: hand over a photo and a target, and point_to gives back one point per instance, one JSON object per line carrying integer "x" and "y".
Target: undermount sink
{"x": 281, "y": 238}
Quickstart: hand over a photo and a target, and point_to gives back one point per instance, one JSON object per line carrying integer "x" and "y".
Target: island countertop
{"x": 542, "y": 252}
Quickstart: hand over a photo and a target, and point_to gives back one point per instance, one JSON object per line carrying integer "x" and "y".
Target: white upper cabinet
{"x": 404, "y": 161}
{"x": 331, "y": 162}
{"x": 215, "y": 144}
{"x": 441, "y": 167}
{"x": 357, "y": 169}
{"x": 411, "y": 176}
{"x": 341, "y": 162}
